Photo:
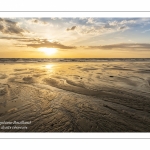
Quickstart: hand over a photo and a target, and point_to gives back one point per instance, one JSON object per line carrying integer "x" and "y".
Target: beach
{"x": 73, "y": 96}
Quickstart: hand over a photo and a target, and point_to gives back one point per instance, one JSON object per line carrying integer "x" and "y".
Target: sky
{"x": 75, "y": 37}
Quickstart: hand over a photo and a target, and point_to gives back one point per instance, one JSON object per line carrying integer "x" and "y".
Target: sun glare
{"x": 49, "y": 66}
{"x": 48, "y": 51}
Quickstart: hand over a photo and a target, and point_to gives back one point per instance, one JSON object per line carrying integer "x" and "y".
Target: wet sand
{"x": 76, "y": 96}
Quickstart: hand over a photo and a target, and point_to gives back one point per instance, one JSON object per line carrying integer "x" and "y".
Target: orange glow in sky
{"x": 74, "y": 37}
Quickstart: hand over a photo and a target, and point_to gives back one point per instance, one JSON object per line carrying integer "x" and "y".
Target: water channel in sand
{"x": 76, "y": 96}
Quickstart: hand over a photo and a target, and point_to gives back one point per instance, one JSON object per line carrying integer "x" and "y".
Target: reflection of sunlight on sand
{"x": 76, "y": 96}
{"x": 49, "y": 67}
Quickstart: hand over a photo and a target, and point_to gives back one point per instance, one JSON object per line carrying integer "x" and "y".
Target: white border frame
{"x": 97, "y": 135}
{"x": 102, "y": 14}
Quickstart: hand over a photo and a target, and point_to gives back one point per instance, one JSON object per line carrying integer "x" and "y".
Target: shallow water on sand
{"x": 76, "y": 96}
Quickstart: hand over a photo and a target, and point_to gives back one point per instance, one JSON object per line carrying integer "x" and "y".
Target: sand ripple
{"x": 77, "y": 97}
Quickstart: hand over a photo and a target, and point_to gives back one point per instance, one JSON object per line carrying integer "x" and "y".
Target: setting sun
{"x": 48, "y": 51}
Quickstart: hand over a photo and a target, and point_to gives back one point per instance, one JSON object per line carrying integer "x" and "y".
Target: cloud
{"x": 1, "y": 27}
{"x": 126, "y": 46}
{"x": 37, "y": 43}
{"x": 48, "y": 44}
{"x": 94, "y": 30}
{"x": 37, "y": 21}
{"x": 10, "y": 27}
{"x": 123, "y": 28}
{"x": 11, "y": 38}
{"x": 102, "y": 29}
{"x": 26, "y": 40}
{"x": 72, "y": 28}
{"x": 146, "y": 31}
{"x": 90, "y": 21}
{"x": 99, "y": 26}
{"x": 123, "y": 22}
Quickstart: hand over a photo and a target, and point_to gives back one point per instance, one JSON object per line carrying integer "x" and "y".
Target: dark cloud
{"x": 14, "y": 38}
{"x": 126, "y": 46}
{"x": 72, "y": 28}
{"x": 107, "y": 25}
{"x": 38, "y": 43}
{"x": 37, "y": 21}
{"x": 122, "y": 27}
{"x": 48, "y": 44}
{"x": 10, "y": 27}
{"x": 1, "y": 27}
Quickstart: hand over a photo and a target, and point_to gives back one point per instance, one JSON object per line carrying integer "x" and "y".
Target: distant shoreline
{"x": 35, "y": 60}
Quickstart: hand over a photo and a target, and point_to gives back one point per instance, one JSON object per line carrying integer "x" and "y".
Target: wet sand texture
{"x": 76, "y": 96}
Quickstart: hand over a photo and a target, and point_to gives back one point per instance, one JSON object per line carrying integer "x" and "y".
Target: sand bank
{"x": 76, "y": 96}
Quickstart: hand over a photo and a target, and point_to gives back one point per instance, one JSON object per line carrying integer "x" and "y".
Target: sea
{"x": 29, "y": 60}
